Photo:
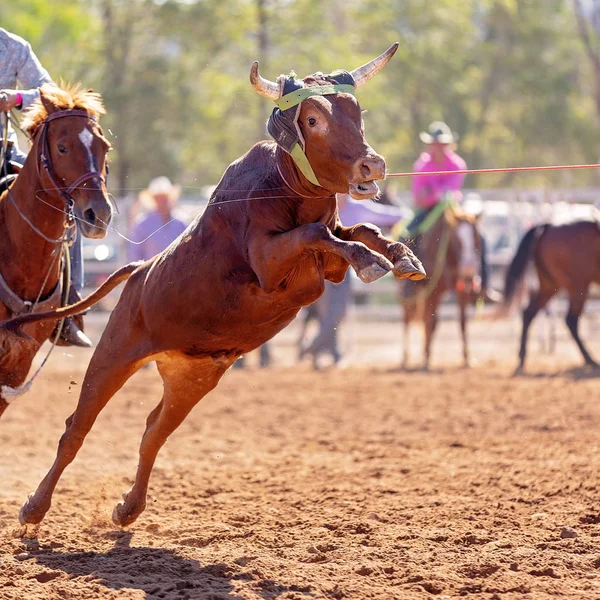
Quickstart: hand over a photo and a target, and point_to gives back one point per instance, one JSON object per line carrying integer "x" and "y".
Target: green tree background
{"x": 517, "y": 79}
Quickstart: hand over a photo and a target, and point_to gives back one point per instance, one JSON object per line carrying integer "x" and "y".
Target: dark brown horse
{"x": 63, "y": 179}
{"x": 262, "y": 249}
{"x": 451, "y": 254}
{"x": 566, "y": 257}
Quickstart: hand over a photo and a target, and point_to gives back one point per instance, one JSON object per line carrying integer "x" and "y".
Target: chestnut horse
{"x": 240, "y": 273}
{"x": 63, "y": 179}
{"x": 451, "y": 254}
{"x": 566, "y": 257}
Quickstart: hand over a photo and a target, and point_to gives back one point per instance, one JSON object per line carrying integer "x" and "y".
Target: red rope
{"x": 505, "y": 170}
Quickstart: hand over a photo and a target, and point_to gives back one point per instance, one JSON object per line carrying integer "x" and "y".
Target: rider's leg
{"x": 487, "y": 293}
{"x": 72, "y": 330}
{"x": 76, "y": 255}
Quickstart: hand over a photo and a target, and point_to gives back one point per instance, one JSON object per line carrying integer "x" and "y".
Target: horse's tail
{"x": 114, "y": 279}
{"x": 516, "y": 270}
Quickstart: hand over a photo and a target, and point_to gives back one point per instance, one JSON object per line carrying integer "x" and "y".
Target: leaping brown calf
{"x": 268, "y": 239}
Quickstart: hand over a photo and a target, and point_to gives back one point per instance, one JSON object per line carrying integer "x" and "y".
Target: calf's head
{"x": 318, "y": 121}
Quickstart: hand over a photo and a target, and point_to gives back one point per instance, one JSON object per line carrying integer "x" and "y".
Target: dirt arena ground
{"x": 365, "y": 482}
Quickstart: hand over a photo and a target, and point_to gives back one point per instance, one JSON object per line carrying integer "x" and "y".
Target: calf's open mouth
{"x": 364, "y": 189}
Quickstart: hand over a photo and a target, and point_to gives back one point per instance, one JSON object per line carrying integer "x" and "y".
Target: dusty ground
{"x": 360, "y": 483}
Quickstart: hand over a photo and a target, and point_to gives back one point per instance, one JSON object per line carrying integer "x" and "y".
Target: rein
{"x": 66, "y": 239}
{"x": 440, "y": 260}
{"x": 9, "y": 393}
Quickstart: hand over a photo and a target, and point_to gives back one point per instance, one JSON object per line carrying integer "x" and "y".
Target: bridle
{"x": 65, "y": 192}
{"x": 47, "y": 164}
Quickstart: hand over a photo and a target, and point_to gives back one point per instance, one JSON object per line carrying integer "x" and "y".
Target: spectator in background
{"x": 331, "y": 307}
{"x": 158, "y": 226}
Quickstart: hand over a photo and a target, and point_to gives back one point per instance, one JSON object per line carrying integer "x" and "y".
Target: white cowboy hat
{"x": 438, "y": 132}
{"x": 157, "y": 187}
{"x": 163, "y": 186}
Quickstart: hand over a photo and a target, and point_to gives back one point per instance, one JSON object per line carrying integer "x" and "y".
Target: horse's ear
{"x": 47, "y": 102}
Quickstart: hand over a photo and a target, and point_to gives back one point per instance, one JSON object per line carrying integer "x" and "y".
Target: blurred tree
{"x": 507, "y": 75}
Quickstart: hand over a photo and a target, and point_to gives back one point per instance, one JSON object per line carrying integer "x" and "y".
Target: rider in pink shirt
{"x": 428, "y": 190}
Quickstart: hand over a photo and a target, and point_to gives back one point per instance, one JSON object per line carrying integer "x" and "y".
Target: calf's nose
{"x": 372, "y": 167}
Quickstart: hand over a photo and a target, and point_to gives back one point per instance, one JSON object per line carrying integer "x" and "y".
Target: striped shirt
{"x": 20, "y": 69}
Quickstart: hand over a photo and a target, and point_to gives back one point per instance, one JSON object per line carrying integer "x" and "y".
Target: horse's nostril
{"x": 90, "y": 216}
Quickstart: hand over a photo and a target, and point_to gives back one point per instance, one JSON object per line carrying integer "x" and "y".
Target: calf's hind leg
{"x": 114, "y": 361}
{"x": 186, "y": 381}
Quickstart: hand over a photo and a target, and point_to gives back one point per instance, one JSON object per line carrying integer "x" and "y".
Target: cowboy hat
{"x": 163, "y": 186}
{"x": 159, "y": 186}
{"x": 438, "y": 132}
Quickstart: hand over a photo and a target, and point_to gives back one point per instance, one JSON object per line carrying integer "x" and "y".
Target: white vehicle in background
{"x": 102, "y": 257}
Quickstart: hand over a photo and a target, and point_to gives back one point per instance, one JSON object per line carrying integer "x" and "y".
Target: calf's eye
{"x": 312, "y": 121}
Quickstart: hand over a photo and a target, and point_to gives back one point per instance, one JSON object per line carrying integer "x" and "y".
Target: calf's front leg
{"x": 273, "y": 255}
{"x": 406, "y": 264}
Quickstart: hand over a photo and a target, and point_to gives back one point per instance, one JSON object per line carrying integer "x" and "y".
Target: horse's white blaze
{"x": 87, "y": 138}
{"x": 468, "y": 258}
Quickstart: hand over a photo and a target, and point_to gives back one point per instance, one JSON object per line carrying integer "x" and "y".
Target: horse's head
{"x": 72, "y": 148}
{"x": 319, "y": 122}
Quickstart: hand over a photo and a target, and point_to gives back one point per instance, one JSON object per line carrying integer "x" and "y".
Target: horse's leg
{"x": 462, "y": 304}
{"x": 406, "y": 331}
{"x": 430, "y": 319}
{"x": 15, "y": 379}
{"x": 116, "y": 358}
{"x": 17, "y": 358}
{"x": 577, "y": 301}
{"x": 186, "y": 381}
{"x": 537, "y": 302}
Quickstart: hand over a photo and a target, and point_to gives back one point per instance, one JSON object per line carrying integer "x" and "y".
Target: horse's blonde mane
{"x": 65, "y": 97}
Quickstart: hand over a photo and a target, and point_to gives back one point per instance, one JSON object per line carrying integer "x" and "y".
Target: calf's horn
{"x": 264, "y": 87}
{"x": 370, "y": 69}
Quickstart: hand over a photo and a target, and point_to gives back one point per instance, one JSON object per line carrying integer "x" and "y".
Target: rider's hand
{"x": 8, "y": 99}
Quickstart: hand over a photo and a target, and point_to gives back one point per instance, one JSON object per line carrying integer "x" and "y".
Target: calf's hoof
{"x": 372, "y": 273}
{"x": 405, "y": 268}
{"x": 31, "y": 514}
{"x": 124, "y": 514}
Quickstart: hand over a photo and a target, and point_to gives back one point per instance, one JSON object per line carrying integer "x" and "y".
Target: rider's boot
{"x": 72, "y": 330}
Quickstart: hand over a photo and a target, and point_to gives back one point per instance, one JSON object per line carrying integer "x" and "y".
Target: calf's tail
{"x": 119, "y": 276}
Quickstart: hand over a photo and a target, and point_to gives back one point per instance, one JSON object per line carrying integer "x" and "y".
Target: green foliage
{"x": 510, "y": 76}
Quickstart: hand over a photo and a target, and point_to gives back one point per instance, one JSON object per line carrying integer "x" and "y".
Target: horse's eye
{"x": 62, "y": 149}
{"x": 312, "y": 121}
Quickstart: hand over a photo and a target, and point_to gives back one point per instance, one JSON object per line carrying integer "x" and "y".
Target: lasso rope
{"x": 501, "y": 170}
